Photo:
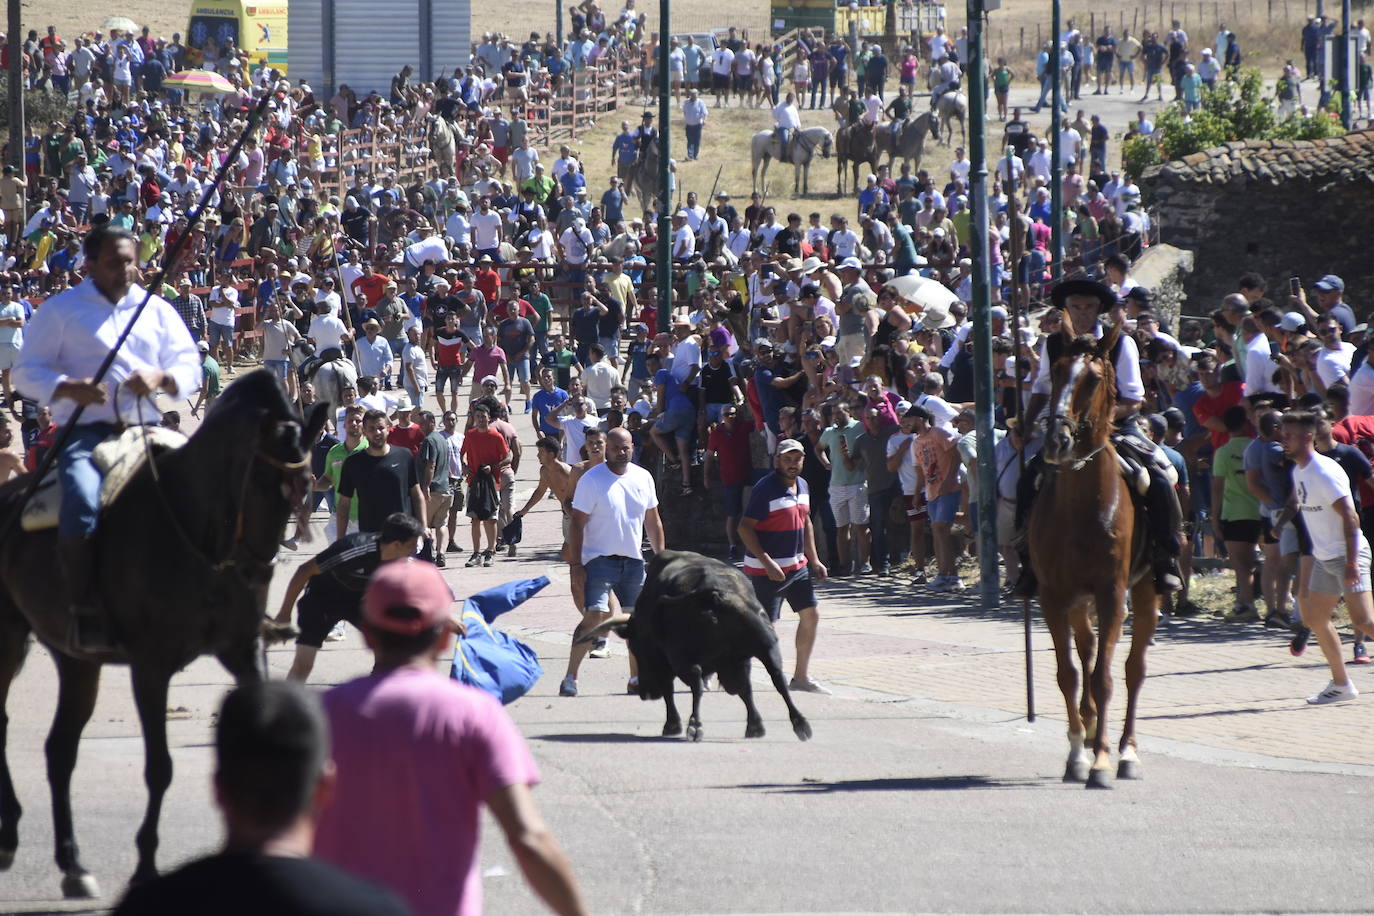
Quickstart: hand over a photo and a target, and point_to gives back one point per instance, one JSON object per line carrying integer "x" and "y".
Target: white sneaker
{"x": 1334, "y": 693}
{"x": 569, "y": 687}
{"x": 600, "y": 649}
{"x": 339, "y": 632}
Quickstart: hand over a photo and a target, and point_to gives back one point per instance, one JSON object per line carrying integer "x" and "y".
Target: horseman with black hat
{"x": 1083, "y": 303}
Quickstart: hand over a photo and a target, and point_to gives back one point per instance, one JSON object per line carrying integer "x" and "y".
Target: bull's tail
{"x": 600, "y": 629}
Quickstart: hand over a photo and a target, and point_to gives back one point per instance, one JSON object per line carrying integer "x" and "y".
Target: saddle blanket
{"x": 118, "y": 458}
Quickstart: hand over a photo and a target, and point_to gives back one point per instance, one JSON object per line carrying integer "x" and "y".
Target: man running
{"x": 1340, "y": 554}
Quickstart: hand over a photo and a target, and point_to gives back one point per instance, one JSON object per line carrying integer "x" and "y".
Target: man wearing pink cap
{"x": 418, "y": 754}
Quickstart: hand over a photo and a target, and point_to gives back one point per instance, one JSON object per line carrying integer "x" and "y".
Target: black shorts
{"x": 1241, "y": 530}
{"x": 720, "y": 82}
{"x": 796, "y": 588}
{"x": 318, "y": 611}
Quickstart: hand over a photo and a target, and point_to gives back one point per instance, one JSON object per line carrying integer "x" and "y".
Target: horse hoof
{"x": 802, "y": 729}
{"x": 694, "y": 733}
{"x": 80, "y": 886}
{"x": 6, "y": 859}
{"x": 1076, "y": 772}
{"x": 754, "y": 730}
{"x": 1129, "y": 769}
{"x": 672, "y": 729}
{"x": 1098, "y": 779}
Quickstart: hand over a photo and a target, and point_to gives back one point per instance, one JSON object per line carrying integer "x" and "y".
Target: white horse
{"x": 951, "y": 106}
{"x": 801, "y": 150}
{"x": 330, "y": 377}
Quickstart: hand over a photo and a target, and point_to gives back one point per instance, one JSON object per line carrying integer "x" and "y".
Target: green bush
{"x": 1236, "y": 109}
{"x": 40, "y": 107}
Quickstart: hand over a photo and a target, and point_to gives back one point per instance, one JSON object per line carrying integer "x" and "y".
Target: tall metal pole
{"x": 1019, "y": 406}
{"x": 1056, "y": 167}
{"x": 16, "y": 90}
{"x": 982, "y": 310}
{"x": 558, "y": 23}
{"x": 1349, "y": 63}
{"x": 664, "y": 278}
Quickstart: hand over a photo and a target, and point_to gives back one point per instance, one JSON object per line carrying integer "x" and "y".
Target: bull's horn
{"x": 600, "y": 629}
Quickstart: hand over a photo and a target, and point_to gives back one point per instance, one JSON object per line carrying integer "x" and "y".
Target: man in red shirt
{"x": 371, "y": 286}
{"x": 406, "y": 434}
{"x": 487, "y": 280}
{"x": 1217, "y": 397}
{"x": 449, "y": 345}
{"x": 728, "y": 445}
{"x": 485, "y": 454}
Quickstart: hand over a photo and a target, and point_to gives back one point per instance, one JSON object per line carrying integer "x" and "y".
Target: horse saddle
{"x": 119, "y": 457}
{"x": 1138, "y": 459}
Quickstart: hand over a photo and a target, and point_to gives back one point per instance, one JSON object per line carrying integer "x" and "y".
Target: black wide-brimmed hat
{"x": 1102, "y": 292}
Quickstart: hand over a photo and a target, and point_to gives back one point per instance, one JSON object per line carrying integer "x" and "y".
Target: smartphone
{"x": 1294, "y": 286}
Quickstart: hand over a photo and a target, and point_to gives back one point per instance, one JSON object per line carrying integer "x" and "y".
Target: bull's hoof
{"x": 754, "y": 730}
{"x": 801, "y": 728}
{"x": 693, "y": 732}
{"x": 672, "y": 729}
{"x": 1076, "y": 771}
{"x": 1129, "y": 769}
{"x": 80, "y": 885}
{"x": 1098, "y": 779}
{"x": 6, "y": 859}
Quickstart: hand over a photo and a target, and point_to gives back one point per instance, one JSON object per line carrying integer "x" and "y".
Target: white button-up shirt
{"x": 70, "y": 335}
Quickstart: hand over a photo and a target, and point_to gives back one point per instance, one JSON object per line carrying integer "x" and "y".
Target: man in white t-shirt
{"x": 219, "y": 329}
{"x": 1339, "y": 564}
{"x": 486, "y": 230}
{"x": 1335, "y": 356}
{"x": 614, "y": 504}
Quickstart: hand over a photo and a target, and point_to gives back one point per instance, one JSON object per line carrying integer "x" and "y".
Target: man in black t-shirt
{"x": 272, "y": 778}
{"x": 334, "y": 582}
{"x": 382, "y": 479}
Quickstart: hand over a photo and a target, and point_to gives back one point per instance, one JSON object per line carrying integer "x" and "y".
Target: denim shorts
{"x": 797, "y": 589}
{"x": 623, "y": 575}
{"x": 215, "y": 333}
{"x": 732, "y": 499}
{"x": 679, "y": 421}
{"x": 279, "y": 367}
{"x": 944, "y": 508}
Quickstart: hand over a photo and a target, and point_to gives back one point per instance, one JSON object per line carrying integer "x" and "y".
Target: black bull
{"x": 696, "y": 617}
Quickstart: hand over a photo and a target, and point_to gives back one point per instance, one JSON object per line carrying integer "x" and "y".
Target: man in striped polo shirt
{"x": 780, "y": 553}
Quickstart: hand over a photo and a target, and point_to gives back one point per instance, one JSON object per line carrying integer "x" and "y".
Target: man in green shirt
{"x": 353, "y": 441}
{"x": 848, "y": 490}
{"x": 209, "y": 380}
{"x": 542, "y": 184}
{"x": 1001, "y": 85}
{"x": 533, "y": 293}
{"x": 1236, "y": 515}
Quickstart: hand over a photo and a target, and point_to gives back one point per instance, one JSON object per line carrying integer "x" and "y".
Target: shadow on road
{"x": 602, "y": 738}
{"x": 900, "y": 784}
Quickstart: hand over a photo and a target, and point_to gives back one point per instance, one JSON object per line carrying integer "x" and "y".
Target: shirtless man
{"x": 11, "y": 465}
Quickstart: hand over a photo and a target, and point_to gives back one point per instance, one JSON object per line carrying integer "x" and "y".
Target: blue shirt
{"x": 613, "y": 205}
{"x": 625, "y": 148}
{"x": 770, "y": 398}
{"x": 672, "y": 398}
{"x": 542, "y": 404}
{"x": 780, "y": 516}
{"x": 638, "y": 350}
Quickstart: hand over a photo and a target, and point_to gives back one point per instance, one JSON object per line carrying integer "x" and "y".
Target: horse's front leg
{"x": 150, "y": 695}
{"x": 1111, "y": 612}
{"x": 79, "y": 682}
{"x": 1145, "y": 607}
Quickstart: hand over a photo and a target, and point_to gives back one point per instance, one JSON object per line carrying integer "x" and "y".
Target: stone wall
{"x": 1278, "y": 208}
{"x": 1164, "y": 271}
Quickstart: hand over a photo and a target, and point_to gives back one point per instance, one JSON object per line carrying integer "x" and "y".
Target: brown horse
{"x": 1087, "y": 548}
{"x": 855, "y": 144}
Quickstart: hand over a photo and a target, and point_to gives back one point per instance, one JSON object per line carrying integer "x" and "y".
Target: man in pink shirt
{"x": 418, "y": 754}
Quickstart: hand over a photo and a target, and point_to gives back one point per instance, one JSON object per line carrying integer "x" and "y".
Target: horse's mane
{"x": 258, "y": 390}
{"x": 1082, "y": 345}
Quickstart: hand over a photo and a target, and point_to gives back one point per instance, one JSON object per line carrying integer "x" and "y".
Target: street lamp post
{"x": 1056, "y": 166}
{"x": 664, "y": 268}
{"x": 986, "y": 497}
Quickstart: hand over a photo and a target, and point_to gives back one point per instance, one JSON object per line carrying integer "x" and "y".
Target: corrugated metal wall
{"x": 305, "y": 53}
{"x": 452, "y": 31}
{"x": 373, "y": 39}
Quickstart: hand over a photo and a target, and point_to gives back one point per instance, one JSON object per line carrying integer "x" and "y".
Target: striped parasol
{"x": 199, "y": 81}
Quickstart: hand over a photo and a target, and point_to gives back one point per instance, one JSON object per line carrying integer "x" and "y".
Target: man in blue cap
{"x": 1330, "y": 293}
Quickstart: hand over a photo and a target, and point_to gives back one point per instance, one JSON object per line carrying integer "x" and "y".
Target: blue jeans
{"x": 693, "y": 139}
{"x": 623, "y": 575}
{"x": 879, "y": 503}
{"x": 80, "y": 480}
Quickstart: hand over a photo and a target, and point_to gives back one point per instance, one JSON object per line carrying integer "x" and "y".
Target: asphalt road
{"x": 894, "y": 806}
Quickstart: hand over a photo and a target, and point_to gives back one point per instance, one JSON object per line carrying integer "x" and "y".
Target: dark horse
{"x": 1087, "y": 548}
{"x": 855, "y": 145}
{"x": 184, "y": 561}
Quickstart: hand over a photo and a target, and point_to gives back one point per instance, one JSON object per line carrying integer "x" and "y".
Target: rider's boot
{"x": 90, "y": 624}
{"x": 1164, "y": 521}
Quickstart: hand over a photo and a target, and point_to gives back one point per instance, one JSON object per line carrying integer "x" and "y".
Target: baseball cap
{"x": 406, "y": 596}
{"x": 1293, "y": 321}
{"x": 1330, "y": 282}
{"x": 852, "y": 262}
{"x": 789, "y": 445}
{"x": 491, "y": 378}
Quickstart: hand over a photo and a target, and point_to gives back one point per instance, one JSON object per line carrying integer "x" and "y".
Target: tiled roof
{"x": 1347, "y": 159}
